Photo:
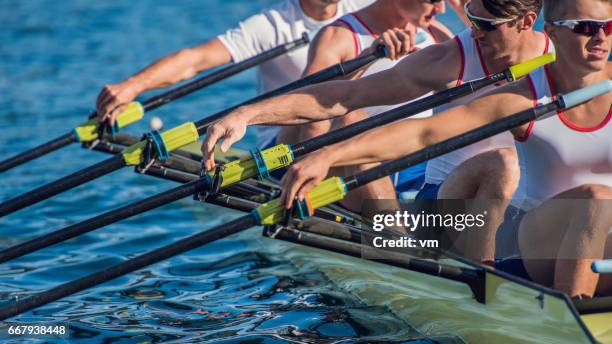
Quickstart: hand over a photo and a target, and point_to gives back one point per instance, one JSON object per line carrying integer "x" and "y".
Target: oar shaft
{"x": 393, "y": 115}
{"x": 179, "y": 92}
{"x": 102, "y": 220}
{"x": 338, "y": 70}
{"x": 158, "y": 255}
{"x": 37, "y": 152}
{"x": 449, "y": 145}
{"x": 61, "y": 185}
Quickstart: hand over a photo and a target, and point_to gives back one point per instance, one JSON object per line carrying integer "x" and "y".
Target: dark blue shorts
{"x": 506, "y": 244}
{"x": 428, "y": 192}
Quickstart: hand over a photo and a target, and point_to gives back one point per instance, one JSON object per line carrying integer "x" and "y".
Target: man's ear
{"x": 528, "y": 21}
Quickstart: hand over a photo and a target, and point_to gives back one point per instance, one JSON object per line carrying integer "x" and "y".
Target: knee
{"x": 314, "y": 129}
{"x": 350, "y": 118}
{"x": 502, "y": 165}
{"x": 595, "y": 192}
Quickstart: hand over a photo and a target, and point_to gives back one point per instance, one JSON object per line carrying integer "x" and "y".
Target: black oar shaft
{"x": 161, "y": 99}
{"x": 102, "y": 220}
{"x": 181, "y": 246}
{"x": 393, "y": 115}
{"x": 449, "y": 145}
{"x": 37, "y": 152}
{"x": 100, "y": 169}
{"x": 79, "y": 178}
{"x": 181, "y": 91}
{"x": 335, "y": 71}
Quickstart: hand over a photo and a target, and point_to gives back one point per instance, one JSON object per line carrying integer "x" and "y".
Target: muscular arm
{"x": 181, "y": 65}
{"x": 408, "y": 136}
{"x": 433, "y": 68}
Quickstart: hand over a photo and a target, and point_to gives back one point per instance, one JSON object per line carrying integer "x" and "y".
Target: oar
{"x": 88, "y": 131}
{"x": 273, "y": 158}
{"x": 166, "y": 142}
{"x": 330, "y": 190}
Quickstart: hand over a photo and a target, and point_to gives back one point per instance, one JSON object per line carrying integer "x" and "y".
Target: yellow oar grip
{"x": 329, "y": 191}
{"x": 172, "y": 139}
{"x": 133, "y": 113}
{"x": 520, "y": 70}
{"x": 274, "y": 158}
{"x": 88, "y": 131}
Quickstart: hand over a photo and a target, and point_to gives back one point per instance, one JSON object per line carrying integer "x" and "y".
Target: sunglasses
{"x": 586, "y": 27}
{"x": 484, "y": 24}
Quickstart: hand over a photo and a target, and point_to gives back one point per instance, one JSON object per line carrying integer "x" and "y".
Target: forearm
{"x": 309, "y": 104}
{"x": 179, "y": 66}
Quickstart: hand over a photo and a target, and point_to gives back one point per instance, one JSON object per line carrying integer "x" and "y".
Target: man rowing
{"x": 565, "y": 222}
{"x": 280, "y": 24}
{"x": 384, "y": 20}
{"x": 502, "y": 35}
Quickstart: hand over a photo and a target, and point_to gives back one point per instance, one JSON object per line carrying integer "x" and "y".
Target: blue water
{"x": 54, "y": 57}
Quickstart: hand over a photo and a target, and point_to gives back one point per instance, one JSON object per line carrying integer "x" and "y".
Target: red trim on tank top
{"x": 564, "y": 118}
{"x": 547, "y": 44}
{"x": 355, "y": 39}
{"x": 535, "y": 104}
{"x": 482, "y": 62}
{"x": 462, "y": 53}
{"x": 364, "y": 25}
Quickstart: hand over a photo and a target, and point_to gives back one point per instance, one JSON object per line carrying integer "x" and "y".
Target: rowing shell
{"x": 514, "y": 310}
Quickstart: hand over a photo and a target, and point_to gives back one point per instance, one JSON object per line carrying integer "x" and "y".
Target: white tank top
{"x": 558, "y": 155}
{"x": 472, "y": 67}
{"x": 363, "y": 38}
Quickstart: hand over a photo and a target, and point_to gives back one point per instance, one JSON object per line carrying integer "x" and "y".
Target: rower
{"x": 359, "y": 32}
{"x": 502, "y": 35}
{"x": 282, "y": 23}
{"x": 564, "y": 224}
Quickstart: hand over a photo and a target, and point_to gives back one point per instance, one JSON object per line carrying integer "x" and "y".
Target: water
{"x": 55, "y": 56}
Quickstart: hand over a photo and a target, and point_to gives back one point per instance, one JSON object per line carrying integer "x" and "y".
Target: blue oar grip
{"x": 160, "y": 146}
{"x": 587, "y": 93}
{"x": 260, "y": 162}
{"x": 602, "y": 266}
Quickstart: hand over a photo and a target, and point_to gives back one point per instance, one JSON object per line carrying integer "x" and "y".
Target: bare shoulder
{"x": 335, "y": 38}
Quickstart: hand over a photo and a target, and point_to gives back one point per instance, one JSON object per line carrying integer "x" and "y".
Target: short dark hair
{"x": 512, "y": 8}
{"x": 556, "y": 9}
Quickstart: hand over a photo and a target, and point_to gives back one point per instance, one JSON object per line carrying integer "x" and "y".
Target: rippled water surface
{"x": 54, "y": 57}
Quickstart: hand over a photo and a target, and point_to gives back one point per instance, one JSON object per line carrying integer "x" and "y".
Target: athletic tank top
{"x": 472, "y": 67}
{"x": 363, "y": 38}
{"x": 558, "y": 155}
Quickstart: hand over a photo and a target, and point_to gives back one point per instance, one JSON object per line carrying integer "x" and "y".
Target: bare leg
{"x": 379, "y": 189}
{"x": 489, "y": 179}
{"x": 562, "y": 237}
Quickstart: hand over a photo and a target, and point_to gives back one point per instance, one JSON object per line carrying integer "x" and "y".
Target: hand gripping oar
{"x": 161, "y": 144}
{"x": 270, "y": 159}
{"x": 89, "y": 130}
{"x": 330, "y": 190}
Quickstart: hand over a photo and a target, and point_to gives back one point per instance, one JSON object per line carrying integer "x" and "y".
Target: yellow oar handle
{"x": 171, "y": 139}
{"x": 520, "y": 70}
{"x": 329, "y": 191}
{"x": 88, "y": 131}
{"x": 257, "y": 165}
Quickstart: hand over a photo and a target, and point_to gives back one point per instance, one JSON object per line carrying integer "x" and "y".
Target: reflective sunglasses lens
{"x": 591, "y": 28}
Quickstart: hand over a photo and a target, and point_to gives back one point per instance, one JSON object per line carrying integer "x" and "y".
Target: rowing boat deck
{"x": 515, "y": 311}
